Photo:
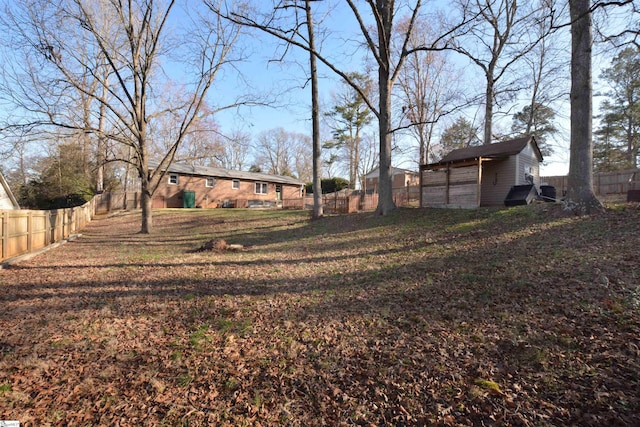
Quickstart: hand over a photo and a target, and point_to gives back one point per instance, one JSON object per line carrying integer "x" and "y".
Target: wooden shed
{"x": 480, "y": 176}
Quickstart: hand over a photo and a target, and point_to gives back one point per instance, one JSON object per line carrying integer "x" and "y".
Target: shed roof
{"x": 231, "y": 174}
{"x": 495, "y": 150}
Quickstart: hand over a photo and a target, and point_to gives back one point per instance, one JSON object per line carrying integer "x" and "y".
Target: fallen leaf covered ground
{"x": 515, "y": 317}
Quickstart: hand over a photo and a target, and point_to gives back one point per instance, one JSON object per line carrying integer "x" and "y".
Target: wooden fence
{"x": 108, "y": 202}
{"x": 358, "y": 201}
{"x": 604, "y": 183}
{"x": 25, "y": 231}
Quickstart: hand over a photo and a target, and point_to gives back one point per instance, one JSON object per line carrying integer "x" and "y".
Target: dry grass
{"x": 424, "y": 317}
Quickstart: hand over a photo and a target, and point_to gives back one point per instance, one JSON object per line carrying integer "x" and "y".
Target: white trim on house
{"x": 261, "y": 188}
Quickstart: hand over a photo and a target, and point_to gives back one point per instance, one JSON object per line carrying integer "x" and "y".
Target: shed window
{"x": 235, "y": 184}
{"x": 211, "y": 181}
{"x": 261, "y": 187}
{"x": 173, "y": 179}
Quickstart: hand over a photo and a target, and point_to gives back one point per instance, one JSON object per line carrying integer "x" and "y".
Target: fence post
{"x": 5, "y": 234}
{"x": 29, "y": 231}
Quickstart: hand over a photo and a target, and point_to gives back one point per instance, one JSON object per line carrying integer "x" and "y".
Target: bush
{"x": 329, "y": 185}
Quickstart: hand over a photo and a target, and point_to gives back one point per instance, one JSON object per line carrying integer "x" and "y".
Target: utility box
{"x": 521, "y": 195}
{"x": 189, "y": 199}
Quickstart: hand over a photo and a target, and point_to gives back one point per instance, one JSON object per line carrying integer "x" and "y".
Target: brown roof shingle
{"x": 498, "y": 149}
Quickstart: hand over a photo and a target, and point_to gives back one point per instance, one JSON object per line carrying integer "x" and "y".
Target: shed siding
{"x": 501, "y": 169}
{"x": 434, "y": 190}
{"x": 462, "y": 190}
{"x": 5, "y": 201}
{"x": 527, "y": 159}
{"x": 6, "y": 198}
{"x": 497, "y": 179}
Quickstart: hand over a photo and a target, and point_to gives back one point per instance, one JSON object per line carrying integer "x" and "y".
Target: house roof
{"x": 495, "y": 150}
{"x": 6, "y": 196}
{"x": 394, "y": 171}
{"x": 231, "y": 174}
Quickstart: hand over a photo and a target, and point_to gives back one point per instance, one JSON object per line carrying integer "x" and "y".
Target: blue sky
{"x": 286, "y": 82}
{"x": 294, "y": 114}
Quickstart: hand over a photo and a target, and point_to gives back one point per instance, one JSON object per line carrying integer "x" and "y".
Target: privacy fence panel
{"x": 604, "y": 183}
{"x": 25, "y": 231}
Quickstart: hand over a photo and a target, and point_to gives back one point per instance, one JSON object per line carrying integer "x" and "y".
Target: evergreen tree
{"x": 537, "y": 122}
{"x": 461, "y": 134}
{"x": 621, "y": 126}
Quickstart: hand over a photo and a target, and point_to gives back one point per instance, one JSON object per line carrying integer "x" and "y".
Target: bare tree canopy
{"x": 376, "y": 21}
{"x": 121, "y": 70}
{"x": 495, "y": 41}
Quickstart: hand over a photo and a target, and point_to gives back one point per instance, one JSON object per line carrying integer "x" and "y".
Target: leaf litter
{"x": 513, "y": 317}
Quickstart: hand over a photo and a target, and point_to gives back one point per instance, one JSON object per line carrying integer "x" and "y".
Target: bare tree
{"x": 318, "y": 209}
{"x": 627, "y": 13}
{"x": 235, "y": 150}
{"x": 203, "y": 145}
{"x": 495, "y": 42}
{"x": 369, "y": 157}
{"x": 286, "y": 20}
{"x": 272, "y": 152}
{"x": 429, "y": 87}
{"x": 389, "y": 59}
{"x": 27, "y": 86}
{"x": 282, "y": 153}
{"x": 301, "y": 157}
{"x": 52, "y": 29}
{"x": 580, "y": 196}
{"x": 546, "y": 63}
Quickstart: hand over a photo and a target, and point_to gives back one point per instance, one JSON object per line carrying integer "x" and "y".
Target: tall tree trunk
{"x": 385, "y": 184}
{"x": 631, "y": 155}
{"x": 147, "y": 188}
{"x": 145, "y": 200}
{"x": 318, "y": 210}
{"x": 488, "y": 112}
{"x": 127, "y": 172}
{"x": 580, "y": 196}
{"x": 101, "y": 138}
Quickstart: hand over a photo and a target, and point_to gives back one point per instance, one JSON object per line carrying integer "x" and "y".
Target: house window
{"x": 211, "y": 181}
{"x": 235, "y": 184}
{"x": 173, "y": 179}
{"x": 261, "y": 187}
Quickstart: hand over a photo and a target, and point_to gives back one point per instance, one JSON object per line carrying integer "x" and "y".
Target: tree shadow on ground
{"x": 507, "y": 296}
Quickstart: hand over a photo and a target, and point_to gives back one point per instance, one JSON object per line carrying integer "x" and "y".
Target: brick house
{"x": 211, "y": 187}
